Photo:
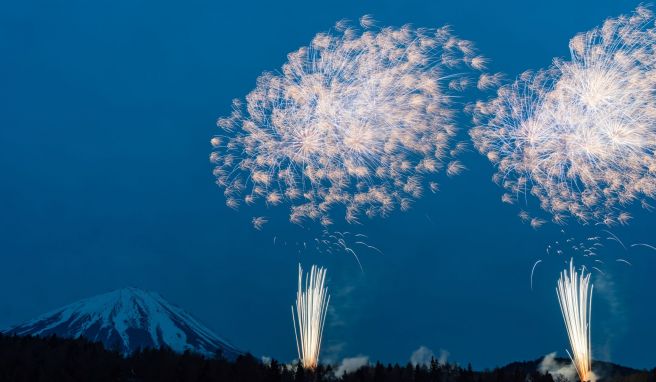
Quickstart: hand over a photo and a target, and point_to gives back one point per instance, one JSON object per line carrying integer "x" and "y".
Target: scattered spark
{"x": 356, "y": 120}
{"x": 259, "y": 222}
{"x": 537, "y": 223}
{"x": 579, "y": 135}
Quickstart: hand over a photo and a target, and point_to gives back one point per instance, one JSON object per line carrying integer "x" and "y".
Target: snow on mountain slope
{"x": 127, "y": 320}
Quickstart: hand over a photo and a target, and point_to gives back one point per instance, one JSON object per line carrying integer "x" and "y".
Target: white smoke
{"x": 559, "y": 371}
{"x": 607, "y": 289}
{"x": 424, "y": 355}
{"x": 349, "y": 365}
{"x": 444, "y": 357}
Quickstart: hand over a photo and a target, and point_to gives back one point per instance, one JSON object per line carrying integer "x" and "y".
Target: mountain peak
{"x": 127, "y": 320}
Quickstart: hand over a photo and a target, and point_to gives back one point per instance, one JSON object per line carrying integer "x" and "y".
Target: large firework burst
{"x": 356, "y": 119}
{"x": 575, "y": 298}
{"x": 580, "y": 135}
{"x": 311, "y": 308}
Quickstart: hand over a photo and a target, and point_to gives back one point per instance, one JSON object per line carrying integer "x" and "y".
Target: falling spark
{"x": 345, "y": 242}
{"x": 351, "y": 251}
{"x": 311, "y": 308}
{"x": 614, "y": 237}
{"x": 624, "y": 261}
{"x": 643, "y": 245}
{"x": 370, "y": 247}
{"x": 533, "y": 270}
{"x": 599, "y": 270}
{"x": 575, "y": 298}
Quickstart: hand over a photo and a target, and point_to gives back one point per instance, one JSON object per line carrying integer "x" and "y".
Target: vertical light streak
{"x": 310, "y": 315}
{"x": 574, "y": 293}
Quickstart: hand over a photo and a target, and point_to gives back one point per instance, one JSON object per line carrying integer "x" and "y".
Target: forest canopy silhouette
{"x": 57, "y": 359}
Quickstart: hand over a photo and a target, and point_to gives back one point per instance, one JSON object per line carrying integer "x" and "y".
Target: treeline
{"x": 55, "y": 359}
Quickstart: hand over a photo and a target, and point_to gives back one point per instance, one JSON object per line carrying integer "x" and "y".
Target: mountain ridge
{"x": 128, "y": 319}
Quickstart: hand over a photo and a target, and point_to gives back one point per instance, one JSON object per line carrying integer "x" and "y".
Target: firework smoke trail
{"x": 357, "y": 120}
{"x": 575, "y": 298}
{"x": 580, "y": 135}
{"x": 311, "y": 308}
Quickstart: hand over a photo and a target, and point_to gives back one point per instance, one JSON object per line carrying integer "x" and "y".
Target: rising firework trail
{"x": 574, "y": 293}
{"x": 310, "y": 315}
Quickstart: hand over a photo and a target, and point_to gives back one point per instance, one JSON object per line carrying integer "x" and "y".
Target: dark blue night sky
{"x": 106, "y": 111}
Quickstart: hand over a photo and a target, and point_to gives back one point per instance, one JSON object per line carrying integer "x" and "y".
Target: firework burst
{"x": 575, "y": 298}
{"x": 311, "y": 308}
{"x": 581, "y": 135}
{"x": 356, "y": 120}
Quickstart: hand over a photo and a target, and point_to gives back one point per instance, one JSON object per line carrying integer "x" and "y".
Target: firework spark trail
{"x": 311, "y": 308}
{"x": 614, "y": 237}
{"x": 644, "y": 245}
{"x": 580, "y": 135}
{"x": 356, "y": 120}
{"x": 370, "y": 247}
{"x": 533, "y": 270}
{"x": 575, "y": 298}
{"x": 588, "y": 250}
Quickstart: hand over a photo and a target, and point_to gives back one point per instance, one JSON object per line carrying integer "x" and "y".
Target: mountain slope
{"x": 127, "y": 320}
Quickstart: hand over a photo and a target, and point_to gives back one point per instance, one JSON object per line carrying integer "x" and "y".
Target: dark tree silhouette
{"x": 28, "y": 359}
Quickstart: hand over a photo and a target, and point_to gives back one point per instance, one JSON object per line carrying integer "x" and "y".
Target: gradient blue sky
{"x": 106, "y": 111}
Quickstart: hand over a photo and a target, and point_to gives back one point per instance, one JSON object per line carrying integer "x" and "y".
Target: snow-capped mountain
{"x": 127, "y": 320}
